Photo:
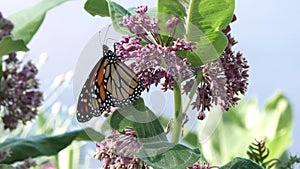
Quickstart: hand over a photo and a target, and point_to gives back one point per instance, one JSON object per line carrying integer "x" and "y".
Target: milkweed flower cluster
{"x": 224, "y": 79}
{"x": 116, "y": 151}
{"x": 19, "y": 94}
{"x": 159, "y": 59}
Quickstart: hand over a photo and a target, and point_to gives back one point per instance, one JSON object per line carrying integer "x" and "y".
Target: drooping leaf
{"x": 85, "y": 136}
{"x": 241, "y": 125}
{"x": 97, "y": 7}
{"x": 156, "y": 150}
{"x": 241, "y": 163}
{"x": 40, "y": 145}
{"x": 204, "y": 22}
{"x": 9, "y": 45}
{"x": 27, "y": 22}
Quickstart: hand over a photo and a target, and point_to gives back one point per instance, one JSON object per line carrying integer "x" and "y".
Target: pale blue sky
{"x": 267, "y": 31}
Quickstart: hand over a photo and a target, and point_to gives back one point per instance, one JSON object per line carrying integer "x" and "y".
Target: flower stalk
{"x": 178, "y": 114}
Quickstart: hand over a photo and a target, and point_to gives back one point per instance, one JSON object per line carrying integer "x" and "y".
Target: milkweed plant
{"x": 182, "y": 47}
{"x": 160, "y": 58}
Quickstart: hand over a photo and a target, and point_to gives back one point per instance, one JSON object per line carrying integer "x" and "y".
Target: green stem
{"x": 56, "y": 161}
{"x": 178, "y": 117}
{"x": 70, "y": 162}
{"x": 179, "y": 112}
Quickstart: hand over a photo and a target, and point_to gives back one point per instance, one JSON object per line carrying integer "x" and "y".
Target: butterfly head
{"x": 109, "y": 54}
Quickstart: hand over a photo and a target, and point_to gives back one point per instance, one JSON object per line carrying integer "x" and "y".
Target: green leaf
{"x": 117, "y": 12}
{"x": 86, "y": 135}
{"x": 41, "y": 145}
{"x": 205, "y": 20}
{"x": 27, "y": 22}
{"x": 278, "y": 112}
{"x": 8, "y": 45}
{"x": 168, "y": 155}
{"x": 239, "y": 127}
{"x": 155, "y": 151}
{"x": 4, "y": 166}
{"x": 241, "y": 163}
{"x": 97, "y": 7}
{"x": 109, "y": 8}
{"x": 139, "y": 117}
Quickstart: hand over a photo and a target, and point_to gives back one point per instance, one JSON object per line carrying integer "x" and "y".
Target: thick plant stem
{"x": 179, "y": 111}
{"x": 178, "y": 116}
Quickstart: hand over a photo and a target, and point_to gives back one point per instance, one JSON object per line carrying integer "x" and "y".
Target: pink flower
{"x": 116, "y": 150}
{"x": 172, "y": 23}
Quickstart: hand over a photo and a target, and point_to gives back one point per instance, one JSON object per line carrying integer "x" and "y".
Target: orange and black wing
{"x": 89, "y": 104}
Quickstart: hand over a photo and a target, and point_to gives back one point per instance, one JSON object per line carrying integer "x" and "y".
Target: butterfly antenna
{"x": 105, "y": 39}
{"x": 102, "y": 43}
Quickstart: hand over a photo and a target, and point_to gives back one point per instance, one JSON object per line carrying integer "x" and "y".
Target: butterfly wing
{"x": 89, "y": 104}
{"x": 121, "y": 84}
{"x": 110, "y": 83}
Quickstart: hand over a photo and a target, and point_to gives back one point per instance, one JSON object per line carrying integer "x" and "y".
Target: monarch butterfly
{"x": 110, "y": 83}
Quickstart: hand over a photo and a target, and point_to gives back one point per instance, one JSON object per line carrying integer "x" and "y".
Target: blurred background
{"x": 267, "y": 31}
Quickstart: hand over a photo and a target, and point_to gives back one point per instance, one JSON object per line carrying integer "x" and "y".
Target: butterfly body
{"x": 110, "y": 83}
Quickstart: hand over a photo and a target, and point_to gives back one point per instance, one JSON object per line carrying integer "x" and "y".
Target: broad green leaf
{"x": 168, "y": 155}
{"x": 27, "y": 22}
{"x": 8, "y": 45}
{"x": 97, "y": 7}
{"x": 241, "y": 163}
{"x": 204, "y": 22}
{"x": 240, "y": 126}
{"x": 139, "y": 117}
{"x": 156, "y": 151}
{"x": 40, "y": 145}
{"x": 4, "y": 166}
{"x": 117, "y": 12}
